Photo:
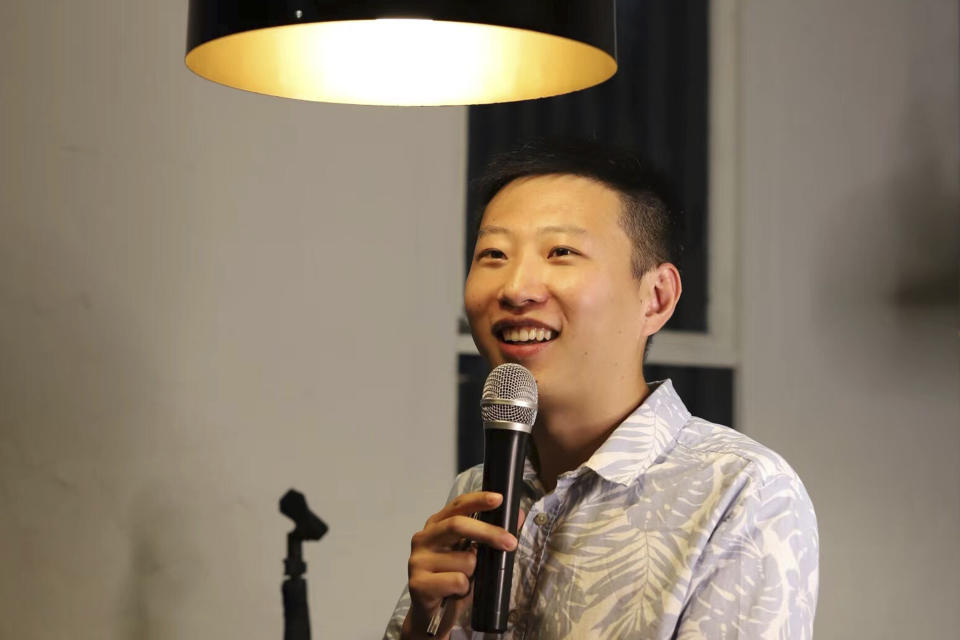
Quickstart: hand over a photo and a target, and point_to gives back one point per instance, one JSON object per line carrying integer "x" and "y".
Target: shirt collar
{"x": 637, "y": 442}
{"x": 640, "y": 439}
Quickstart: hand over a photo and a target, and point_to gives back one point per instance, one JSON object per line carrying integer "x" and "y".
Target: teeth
{"x": 527, "y": 335}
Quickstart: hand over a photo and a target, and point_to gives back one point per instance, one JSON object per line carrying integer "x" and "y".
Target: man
{"x": 641, "y": 520}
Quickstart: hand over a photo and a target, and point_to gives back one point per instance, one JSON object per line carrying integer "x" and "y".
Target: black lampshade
{"x": 426, "y": 52}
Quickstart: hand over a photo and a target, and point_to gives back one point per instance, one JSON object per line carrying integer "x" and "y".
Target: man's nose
{"x": 524, "y": 284}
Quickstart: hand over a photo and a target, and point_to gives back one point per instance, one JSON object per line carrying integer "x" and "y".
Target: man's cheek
{"x": 593, "y": 302}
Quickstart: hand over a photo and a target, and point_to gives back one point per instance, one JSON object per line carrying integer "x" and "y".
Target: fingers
{"x": 467, "y": 504}
{"x": 434, "y": 576}
{"x": 447, "y": 533}
{"x": 439, "y": 567}
{"x": 463, "y": 561}
{"x": 434, "y": 587}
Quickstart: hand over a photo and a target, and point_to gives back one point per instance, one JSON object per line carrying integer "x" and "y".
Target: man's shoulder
{"x": 466, "y": 481}
{"x": 717, "y": 443}
{"x": 762, "y": 484}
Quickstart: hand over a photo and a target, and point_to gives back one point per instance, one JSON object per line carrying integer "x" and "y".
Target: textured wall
{"x": 206, "y": 297}
{"x": 195, "y": 283}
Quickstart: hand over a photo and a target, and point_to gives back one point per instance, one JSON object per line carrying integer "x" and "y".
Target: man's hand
{"x": 437, "y": 570}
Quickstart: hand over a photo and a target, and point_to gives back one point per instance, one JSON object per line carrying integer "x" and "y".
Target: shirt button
{"x": 541, "y": 519}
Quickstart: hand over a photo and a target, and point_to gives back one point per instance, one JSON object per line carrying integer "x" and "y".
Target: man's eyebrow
{"x": 486, "y": 230}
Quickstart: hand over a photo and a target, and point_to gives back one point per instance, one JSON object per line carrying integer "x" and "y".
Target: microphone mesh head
{"x": 505, "y": 383}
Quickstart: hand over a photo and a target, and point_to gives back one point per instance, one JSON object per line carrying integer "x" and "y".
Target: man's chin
{"x": 495, "y": 357}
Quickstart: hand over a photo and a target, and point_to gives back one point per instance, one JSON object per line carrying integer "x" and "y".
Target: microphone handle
{"x": 504, "y": 453}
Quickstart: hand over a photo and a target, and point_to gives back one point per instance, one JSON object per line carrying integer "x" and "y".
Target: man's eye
{"x": 496, "y": 254}
{"x": 560, "y": 252}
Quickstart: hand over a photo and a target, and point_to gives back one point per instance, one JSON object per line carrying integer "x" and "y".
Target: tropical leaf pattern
{"x": 675, "y": 528}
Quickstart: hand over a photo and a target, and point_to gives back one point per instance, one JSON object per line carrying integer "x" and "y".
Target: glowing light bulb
{"x": 401, "y": 62}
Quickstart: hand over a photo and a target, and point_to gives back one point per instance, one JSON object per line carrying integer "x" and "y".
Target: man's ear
{"x": 661, "y": 290}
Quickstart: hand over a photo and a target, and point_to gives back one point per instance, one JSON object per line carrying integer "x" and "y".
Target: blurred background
{"x": 209, "y": 296}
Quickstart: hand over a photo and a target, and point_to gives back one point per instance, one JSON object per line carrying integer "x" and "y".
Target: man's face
{"x": 551, "y": 286}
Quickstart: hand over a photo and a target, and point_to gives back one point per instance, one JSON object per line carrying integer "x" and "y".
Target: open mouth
{"x": 526, "y": 335}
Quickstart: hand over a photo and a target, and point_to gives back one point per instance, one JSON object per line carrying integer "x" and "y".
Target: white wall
{"x": 207, "y": 297}
{"x": 850, "y": 275}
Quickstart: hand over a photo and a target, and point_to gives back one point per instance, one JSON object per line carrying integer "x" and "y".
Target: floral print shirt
{"x": 674, "y": 528}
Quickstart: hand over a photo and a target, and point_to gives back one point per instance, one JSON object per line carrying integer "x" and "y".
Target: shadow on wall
{"x": 155, "y": 585}
{"x": 927, "y": 259}
{"x": 76, "y": 412}
{"x": 889, "y": 273}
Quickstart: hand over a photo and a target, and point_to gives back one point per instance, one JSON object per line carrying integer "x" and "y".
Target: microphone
{"x": 309, "y": 526}
{"x": 508, "y": 408}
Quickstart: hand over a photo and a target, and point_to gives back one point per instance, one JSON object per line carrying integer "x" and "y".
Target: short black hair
{"x": 649, "y": 217}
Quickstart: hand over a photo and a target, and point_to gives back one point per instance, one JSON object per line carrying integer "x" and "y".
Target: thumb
{"x": 520, "y": 519}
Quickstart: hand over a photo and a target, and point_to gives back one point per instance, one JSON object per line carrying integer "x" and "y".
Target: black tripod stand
{"x": 296, "y": 615}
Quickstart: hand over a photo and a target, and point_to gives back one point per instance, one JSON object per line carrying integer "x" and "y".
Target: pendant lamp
{"x": 415, "y": 52}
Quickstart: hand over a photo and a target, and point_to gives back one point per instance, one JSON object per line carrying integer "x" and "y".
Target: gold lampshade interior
{"x": 401, "y": 62}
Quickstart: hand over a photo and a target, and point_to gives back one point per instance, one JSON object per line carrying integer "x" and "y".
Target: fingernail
{"x": 509, "y": 543}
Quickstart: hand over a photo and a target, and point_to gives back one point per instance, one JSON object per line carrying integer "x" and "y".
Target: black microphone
{"x": 309, "y": 526}
{"x": 508, "y": 408}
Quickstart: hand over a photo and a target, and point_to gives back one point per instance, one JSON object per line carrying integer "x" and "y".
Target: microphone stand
{"x": 296, "y": 615}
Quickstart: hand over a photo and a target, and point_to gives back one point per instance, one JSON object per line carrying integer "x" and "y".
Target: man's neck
{"x": 566, "y": 435}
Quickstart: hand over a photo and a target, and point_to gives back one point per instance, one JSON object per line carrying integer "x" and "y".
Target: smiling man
{"x": 642, "y": 521}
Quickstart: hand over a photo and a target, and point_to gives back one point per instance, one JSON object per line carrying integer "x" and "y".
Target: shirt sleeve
{"x": 399, "y": 614}
{"x": 469, "y": 480}
{"x": 758, "y": 576}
